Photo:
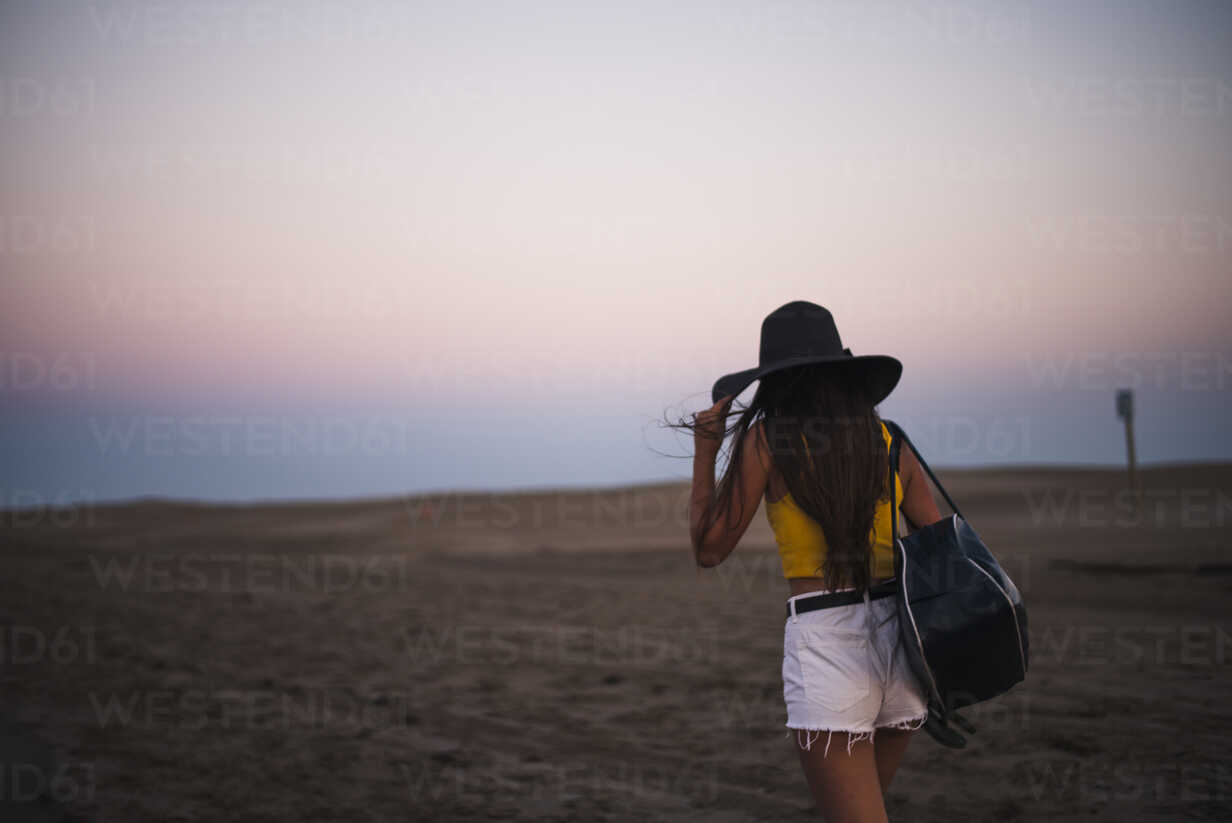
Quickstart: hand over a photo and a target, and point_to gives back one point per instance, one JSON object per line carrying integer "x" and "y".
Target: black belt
{"x": 811, "y": 603}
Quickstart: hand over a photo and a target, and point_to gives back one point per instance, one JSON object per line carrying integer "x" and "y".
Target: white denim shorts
{"x": 845, "y": 670}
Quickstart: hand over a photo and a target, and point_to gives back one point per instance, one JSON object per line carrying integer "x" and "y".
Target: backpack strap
{"x": 895, "y": 442}
{"x": 897, "y": 434}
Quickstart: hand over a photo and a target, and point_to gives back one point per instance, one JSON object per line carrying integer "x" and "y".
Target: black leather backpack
{"x": 961, "y": 618}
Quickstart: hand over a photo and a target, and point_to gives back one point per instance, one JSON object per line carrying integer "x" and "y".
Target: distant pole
{"x": 1125, "y": 411}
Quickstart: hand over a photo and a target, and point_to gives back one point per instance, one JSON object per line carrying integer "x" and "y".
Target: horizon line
{"x": 540, "y": 489}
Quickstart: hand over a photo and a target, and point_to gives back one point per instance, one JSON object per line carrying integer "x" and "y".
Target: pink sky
{"x": 594, "y": 207}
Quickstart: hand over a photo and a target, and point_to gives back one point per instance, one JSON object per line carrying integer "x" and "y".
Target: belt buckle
{"x": 792, "y": 601}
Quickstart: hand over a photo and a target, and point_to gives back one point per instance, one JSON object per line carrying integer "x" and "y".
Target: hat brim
{"x": 880, "y": 373}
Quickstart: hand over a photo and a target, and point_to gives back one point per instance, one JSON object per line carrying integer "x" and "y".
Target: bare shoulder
{"x": 908, "y": 465}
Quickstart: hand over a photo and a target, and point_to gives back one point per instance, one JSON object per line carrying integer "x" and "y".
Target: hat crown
{"x": 799, "y": 329}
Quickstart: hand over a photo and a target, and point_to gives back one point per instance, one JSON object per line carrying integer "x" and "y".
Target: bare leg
{"x": 845, "y": 787}
{"x": 888, "y": 748}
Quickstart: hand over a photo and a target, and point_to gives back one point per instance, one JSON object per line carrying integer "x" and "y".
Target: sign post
{"x": 1125, "y": 411}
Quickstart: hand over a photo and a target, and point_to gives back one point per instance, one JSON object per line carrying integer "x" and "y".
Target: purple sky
{"x": 321, "y": 249}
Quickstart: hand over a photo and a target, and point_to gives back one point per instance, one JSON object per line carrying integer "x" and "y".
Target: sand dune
{"x": 554, "y": 655}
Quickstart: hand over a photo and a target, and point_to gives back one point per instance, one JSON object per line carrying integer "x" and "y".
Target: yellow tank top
{"x": 802, "y": 544}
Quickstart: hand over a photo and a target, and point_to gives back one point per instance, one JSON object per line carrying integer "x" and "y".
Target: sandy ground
{"x": 555, "y": 656}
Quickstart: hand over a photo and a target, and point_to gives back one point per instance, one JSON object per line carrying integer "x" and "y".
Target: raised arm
{"x": 714, "y": 545}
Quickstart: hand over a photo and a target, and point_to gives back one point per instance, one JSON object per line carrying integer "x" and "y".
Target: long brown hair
{"x": 826, "y": 442}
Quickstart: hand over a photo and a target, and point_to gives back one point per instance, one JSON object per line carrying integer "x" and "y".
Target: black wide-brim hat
{"x": 801, "y": 333}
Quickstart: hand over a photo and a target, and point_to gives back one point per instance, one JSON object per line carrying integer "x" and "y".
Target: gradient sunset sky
{"x": 301, "y": 249}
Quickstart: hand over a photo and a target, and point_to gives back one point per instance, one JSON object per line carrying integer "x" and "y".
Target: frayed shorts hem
{"x": 811, "y": 736}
